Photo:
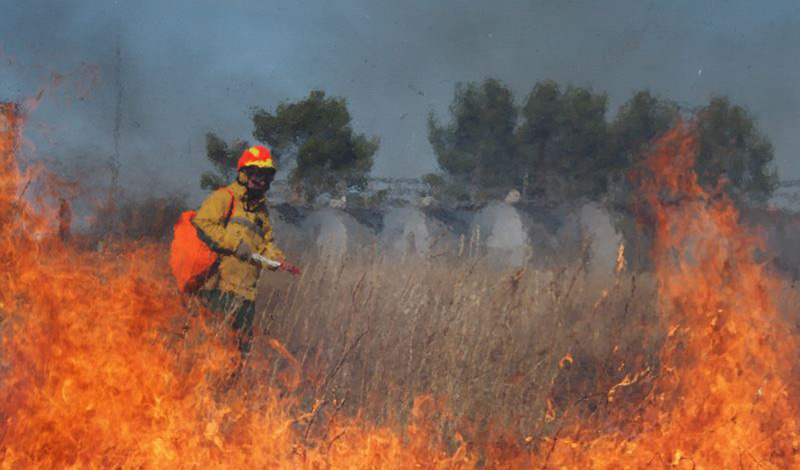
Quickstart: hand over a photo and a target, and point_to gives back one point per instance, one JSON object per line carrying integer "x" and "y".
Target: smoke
{"x": 779, "y": 230}
{"x": 333, "y": 235}
{"x": 601, "y": 235}
{"x": 192, "y": 67}
{"x": 506, "y": 238}
{"x": 405, "y": 233}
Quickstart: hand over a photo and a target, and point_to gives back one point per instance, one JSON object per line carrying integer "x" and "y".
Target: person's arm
{"x": 211, "y": 226}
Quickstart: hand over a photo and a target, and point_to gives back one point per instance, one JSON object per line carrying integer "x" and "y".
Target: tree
{"x": 224, "y": 157}
{"x": 734, "y": 157}
{"x": 733, "y": 152}
{"x": 478, "y": 146}
{"x": 563, "y": 142}
{"x": 638, "y": 122}
{"x": 540, "y": 112}
{"x": 316, "y": 133}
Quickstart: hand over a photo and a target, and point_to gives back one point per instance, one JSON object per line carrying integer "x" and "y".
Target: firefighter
{"x": 234, "y": 222}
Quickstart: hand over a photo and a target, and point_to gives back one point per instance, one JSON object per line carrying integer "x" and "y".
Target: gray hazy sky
{"x": 189, "y": 67}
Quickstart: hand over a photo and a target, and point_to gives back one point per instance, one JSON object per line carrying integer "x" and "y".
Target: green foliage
{"x": 559, "y": 151}
{"x": 224, "y": 157}
{"x": 733, "y": 157}
{"x": 478, "y": 145}
{"x": 640, "y": 120}
{"x": 541, "y": 112}
{"x": 316, "y": 133}
{"x": 445, "y": 187}
{"x": 565, "y": 149}
{"x": 563, "y": 142}
{"x": 734, "y": 153}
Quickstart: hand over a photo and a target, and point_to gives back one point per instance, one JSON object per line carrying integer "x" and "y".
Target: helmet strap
{"x": 241, "y": 177}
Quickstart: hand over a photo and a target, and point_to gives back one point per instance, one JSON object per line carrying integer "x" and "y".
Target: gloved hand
{"x": 289, "y": 267}
{"x": 265, "y": 262}
{"x": 274, "y": 265}
{"x": 243, "y": 251}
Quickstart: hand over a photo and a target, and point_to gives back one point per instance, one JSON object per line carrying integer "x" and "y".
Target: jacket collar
{"x": 239, "y": 191}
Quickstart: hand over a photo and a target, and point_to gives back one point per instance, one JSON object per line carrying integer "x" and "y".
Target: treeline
{"x": 558, "y": 144}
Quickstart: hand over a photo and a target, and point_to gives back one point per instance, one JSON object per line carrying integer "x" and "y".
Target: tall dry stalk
{"x": 379, "y": 332}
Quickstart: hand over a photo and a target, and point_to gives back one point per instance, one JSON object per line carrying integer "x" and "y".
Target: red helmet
{"x": 257, "y": 156}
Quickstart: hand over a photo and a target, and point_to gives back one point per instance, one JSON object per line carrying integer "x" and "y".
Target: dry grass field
{"x": 520, "y": 353}
{"x": 514, "y": 349}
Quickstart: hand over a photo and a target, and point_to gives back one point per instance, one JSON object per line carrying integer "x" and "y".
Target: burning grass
{"x": 377, "y": 363}
{"x": 493, "y": 343}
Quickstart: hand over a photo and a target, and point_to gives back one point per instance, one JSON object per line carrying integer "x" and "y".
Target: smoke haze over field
{"x": 197, "y": 66}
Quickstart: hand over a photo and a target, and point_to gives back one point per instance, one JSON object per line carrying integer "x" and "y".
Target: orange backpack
{"x": 190, "y": 258}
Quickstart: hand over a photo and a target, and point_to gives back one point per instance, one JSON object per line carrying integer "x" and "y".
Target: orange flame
{"x": 94, "y": 375}
{"x": 723, "y": 397}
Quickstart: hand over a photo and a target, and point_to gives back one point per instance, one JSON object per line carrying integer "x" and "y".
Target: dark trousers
{"x": 240, "y": 310}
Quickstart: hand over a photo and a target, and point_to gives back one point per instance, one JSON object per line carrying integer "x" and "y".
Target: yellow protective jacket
{"x": 249, "y": 222}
